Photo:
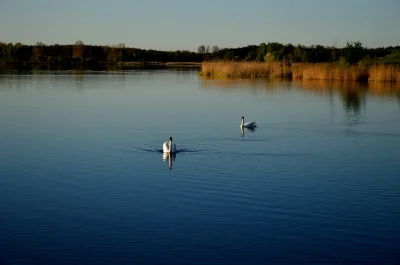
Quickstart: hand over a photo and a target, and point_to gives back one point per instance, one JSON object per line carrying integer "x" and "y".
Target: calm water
{"x": 83, "y": 179}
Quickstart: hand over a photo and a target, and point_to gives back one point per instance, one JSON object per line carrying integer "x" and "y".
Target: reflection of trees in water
{"x": 253, "y": 85}
{"x": 78, "y": 74}
{"x": 9, "y": 79}
{"x": 6, "y": 70}
{"x": 79, "y": 78}
{"x": 329, "y": 88}
{"x": 354, "y": 97}
{"x": 352, "y": 101}
{"x": 352, "y": 94}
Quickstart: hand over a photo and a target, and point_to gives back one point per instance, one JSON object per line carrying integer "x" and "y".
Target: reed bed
{"x": 386, "y": 73}
{"x": 304, "y": 71}
{"x": 245, "y": 69}
{"x": 330, "y": 71}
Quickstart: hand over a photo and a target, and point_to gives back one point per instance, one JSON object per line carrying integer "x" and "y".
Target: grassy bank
{"x": 305, "y": 71}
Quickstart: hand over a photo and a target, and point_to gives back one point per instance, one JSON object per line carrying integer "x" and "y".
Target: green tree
{"x": 120, "y": 55}
{"x": 17, "y": 52}
{"x": 229, "y": 56}
{"x": 261, "y": 51}
{"x": 274, "y": 47}
{"x": 3, "y": 47}
{"x": 269, "y": 57}
{"x": 304, "y": 56}
{"x": 354, "y": 51}
{"x": 251, "y": 56}
{"x": 298, "y": 54}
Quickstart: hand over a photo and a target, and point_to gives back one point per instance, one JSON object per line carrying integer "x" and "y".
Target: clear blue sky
{"x": 186, "y": 24}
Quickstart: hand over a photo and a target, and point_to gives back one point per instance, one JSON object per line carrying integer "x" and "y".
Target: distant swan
{"x": 169, "y": 146}
{"x": 250, "y": 124}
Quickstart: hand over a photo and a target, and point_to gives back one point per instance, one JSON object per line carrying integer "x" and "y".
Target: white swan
{"x": 250, "y": 124}
{"x": 169, "y": 146}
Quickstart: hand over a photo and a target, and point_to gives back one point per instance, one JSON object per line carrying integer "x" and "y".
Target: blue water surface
{"x": 83, "y": 178}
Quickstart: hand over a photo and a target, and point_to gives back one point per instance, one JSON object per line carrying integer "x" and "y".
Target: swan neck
{"x": 170, "y": 145}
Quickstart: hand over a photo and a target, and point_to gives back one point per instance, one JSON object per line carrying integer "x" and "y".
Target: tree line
{"x": 81, "y": 53}
{"x": 273, "y": 51}
{"x": 353, "y": 52}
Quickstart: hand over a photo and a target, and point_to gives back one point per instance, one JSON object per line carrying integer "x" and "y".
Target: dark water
{"x": 83, "y": 180}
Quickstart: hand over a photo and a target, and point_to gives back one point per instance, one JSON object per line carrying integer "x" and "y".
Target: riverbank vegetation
{"x": 272, "y": 59}
{"x": 306, "y": 71}
{"x": 352, "y": 63}
{"x": 245, "y": 69}
{"x": 272, "y": 51}
{"x": 79, "y": 53}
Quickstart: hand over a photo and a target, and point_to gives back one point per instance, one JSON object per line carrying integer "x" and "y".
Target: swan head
{"x": 170, "y": 138}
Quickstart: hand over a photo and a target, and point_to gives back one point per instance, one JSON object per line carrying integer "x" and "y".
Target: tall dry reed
{"x": 305, "y": 71}
{"x": 329, "y": 71}
{"x": 245, "y": 69}
{"x": 382, "y": 72}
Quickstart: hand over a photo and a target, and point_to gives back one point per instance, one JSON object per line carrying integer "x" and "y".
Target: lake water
{"x": 83, "y": 178}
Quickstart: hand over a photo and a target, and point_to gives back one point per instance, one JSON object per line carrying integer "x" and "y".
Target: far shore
{"x": 101, "y": 64}
{"x": 242, "y": 69}
{"x": 167, "y": 64}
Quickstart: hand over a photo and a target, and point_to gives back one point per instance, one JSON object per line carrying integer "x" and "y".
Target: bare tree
{"x": 201, "y": 49}
{"x": 214, "y": 49}
{"x": 78, "y": 50}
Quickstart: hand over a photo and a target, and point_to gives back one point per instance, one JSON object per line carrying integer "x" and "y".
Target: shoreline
{"x": 235, "y": 69}
{"x": 303, "y": 71}
{"x": 102, "y": 64}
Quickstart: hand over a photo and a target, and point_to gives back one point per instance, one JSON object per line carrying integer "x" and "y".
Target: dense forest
{"x": 78, "y": 53}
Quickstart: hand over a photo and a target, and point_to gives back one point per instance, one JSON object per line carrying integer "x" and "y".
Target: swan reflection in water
{"x": 169, "y": 157}
{"x": 247, "y": 129}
